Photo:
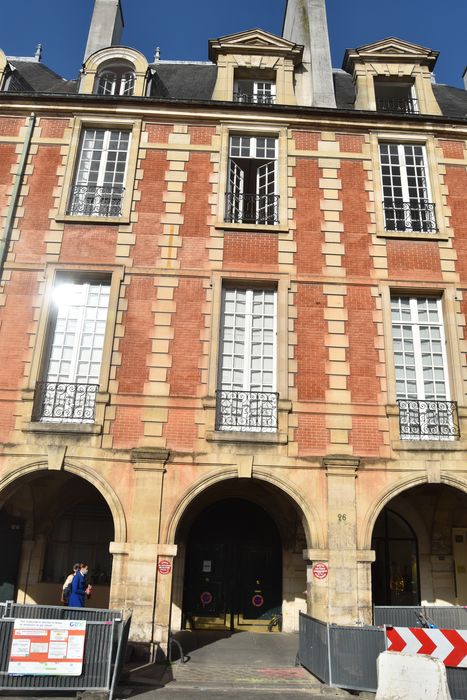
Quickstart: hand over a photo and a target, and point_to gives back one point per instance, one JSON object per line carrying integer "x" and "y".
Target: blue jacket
{"x": 78, "y": 588}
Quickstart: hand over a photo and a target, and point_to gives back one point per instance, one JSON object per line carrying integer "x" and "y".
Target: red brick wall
{"x": 356, "y": 219}
{"x": 452, "y": 149}
{"x": 8, "y": 158}
{"x": 159, "y": 133}
{"x": 309, "y": 258}
{"x": 350, "y": 143}
{"x": 456, "y": 181}
{"x": 53, "y": 128}
{"x": 311, "y": 434}
{"x": 127, "y": 429}
{"x": 310, "y": 351}
{"x": 150, "y": 208}
{"x": 16, "y": 318}
{"x": 253, "y": 251}
{"x": 37, "y": 204}
{"x": 201, "y": 135}
{"x": 135, "y": 345}
{"x": 362, "y": 354}
{"x": 10, "y": 126}
{"x": 306, "y": 140}
{"x": 180, "y": 429}
{"x": 186, "y": 347}
{"x": 409, "y": 260}
{"x": 196, "y": 210}
{"x": 88, "y": 244}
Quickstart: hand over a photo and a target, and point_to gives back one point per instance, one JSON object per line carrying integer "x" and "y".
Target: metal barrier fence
{"x": 346, "y": 657}
{"x": 448, "y": 617}
{"x": 343, "y": 657}
{"x": 104, "y": 652}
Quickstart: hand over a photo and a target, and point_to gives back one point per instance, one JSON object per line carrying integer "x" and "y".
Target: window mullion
{"x": 403, "y": 173}
{"x": 248, "y": 340}
{"x": 104, "y": 157}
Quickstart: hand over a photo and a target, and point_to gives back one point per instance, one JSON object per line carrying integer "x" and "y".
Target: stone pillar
{"x": 317, "y": 590}
{"x": 149, "y": 467}
{"x": 365, "y": 558}
{"x": 341, "y": 475}
{"x": 165, "y": 556}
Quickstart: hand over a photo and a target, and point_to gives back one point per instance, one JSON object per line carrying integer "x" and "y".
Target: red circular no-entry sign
{"x": 164, "y": 567}
{"x": 320, "y": 570}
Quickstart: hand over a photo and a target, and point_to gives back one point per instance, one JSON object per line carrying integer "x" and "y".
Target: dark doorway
{"x": 233, "y": 575}
{"x": 11, "y": 538}
{"x": 395, "y": 572}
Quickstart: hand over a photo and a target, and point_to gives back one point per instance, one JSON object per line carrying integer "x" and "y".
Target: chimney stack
{"x": 106, "y": 26}
{"x": 465, "y": 78}
{"x": 305, "y": 23}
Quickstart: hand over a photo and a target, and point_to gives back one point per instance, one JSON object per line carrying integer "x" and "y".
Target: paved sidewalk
{"x": 243, "y": 665}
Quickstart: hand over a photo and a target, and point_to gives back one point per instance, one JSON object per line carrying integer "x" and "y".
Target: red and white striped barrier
{"x": 449, "y": 646}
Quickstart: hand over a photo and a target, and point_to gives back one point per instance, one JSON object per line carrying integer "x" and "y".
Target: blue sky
{"x": 182, "y": 27}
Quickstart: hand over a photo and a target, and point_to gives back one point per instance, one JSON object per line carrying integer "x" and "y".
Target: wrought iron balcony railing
{"x": 397, "y": 105}
{"x": 251, "y": 208}
{"x": 428, "y": 420}
{"x": 60, "y": 402}
{"x": 246, "y": 411}
{"x": 254, "y": 99}
{"x": 418, "y": 215}
{"x": 90, "y": 200}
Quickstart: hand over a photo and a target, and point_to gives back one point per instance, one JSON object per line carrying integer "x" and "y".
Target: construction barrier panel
{"x": 448, "y": 617}
{"x": 104, "y": 648}
{"x": 346, "y": 657}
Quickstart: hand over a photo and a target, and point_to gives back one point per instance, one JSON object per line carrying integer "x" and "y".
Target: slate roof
{"x": 179, "y": 80}
{"x": 184, "y": 81}
{"x": 37, "y": 77}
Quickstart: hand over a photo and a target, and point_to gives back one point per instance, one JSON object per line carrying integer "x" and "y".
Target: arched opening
{"x": 49, "y": 521}
{"x": 420, "y": 541}
{"x": 395, "y": 571}
{"x": 240, "y": 560}
{"x": 233, "y": 574}
{"x": 115, "y": 78}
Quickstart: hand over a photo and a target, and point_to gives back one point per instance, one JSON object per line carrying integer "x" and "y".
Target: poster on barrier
{"x": 47, "y": 647}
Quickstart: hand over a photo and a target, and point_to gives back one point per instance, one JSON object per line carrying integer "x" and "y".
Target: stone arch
{"x": 98, "y": 59}
{"x": 89, "y": 475}
{"x": 310, "y": 521}
{"x": 384, "y": 498}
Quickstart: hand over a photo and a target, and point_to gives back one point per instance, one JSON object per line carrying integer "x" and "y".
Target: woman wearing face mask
{"x": 79, "y": 588}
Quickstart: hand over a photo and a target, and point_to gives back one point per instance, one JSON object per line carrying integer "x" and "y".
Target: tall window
{"x": 252, "y": 187}
{"x": 247, "y": 399}
{"x": 422, "y": 383}
{"x": 406, "y": 191}
{"x": 100, "y": 175}
{"x": 68, "y": 391}
{"x": 115, "y": 80}
{"x": 255, "y": 91}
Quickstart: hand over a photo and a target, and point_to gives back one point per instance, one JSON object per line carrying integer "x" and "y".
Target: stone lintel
{"x": 149, "y": 458}
{"x": 366, "y": 555}
{"x": 341, "y": 465}
{"x": 167, "y": 550}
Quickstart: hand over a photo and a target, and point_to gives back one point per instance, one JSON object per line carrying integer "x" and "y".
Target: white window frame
{"x": 116, "y": 80}
{"x": 248, "y": 389}
{"x": 83, "y": 199}
{"x": 63, "y": 397}
{"x": 262, "y": 91}
{"x": 416, "y": 343}
{"x": 406, "y": 219}
{"x": 266, "y": 205}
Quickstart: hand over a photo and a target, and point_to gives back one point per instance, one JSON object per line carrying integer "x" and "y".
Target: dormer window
{"x": 396, "y": 96}
{"x": 116, "y": 80}
{"x": 255, "y": 91}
